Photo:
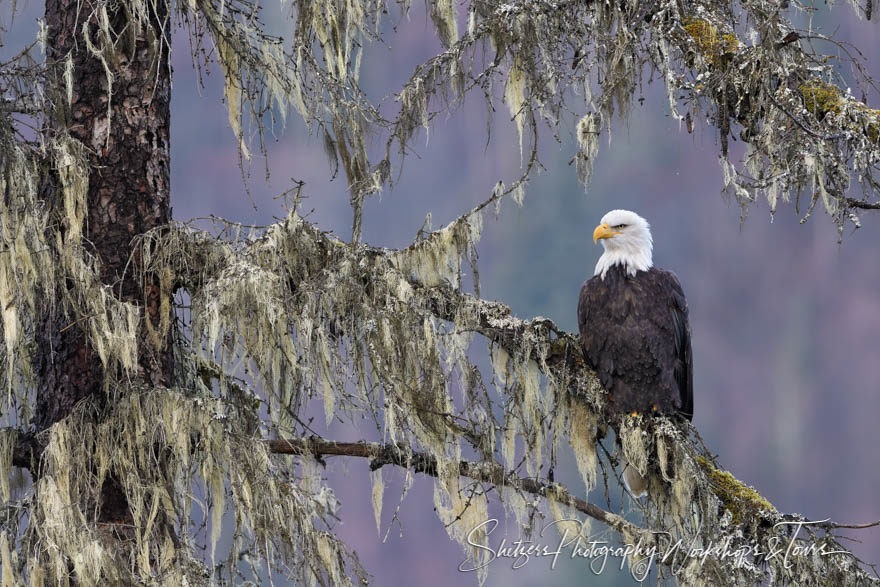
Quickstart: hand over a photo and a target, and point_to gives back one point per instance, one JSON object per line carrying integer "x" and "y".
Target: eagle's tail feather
{"x": 635, "y": 483}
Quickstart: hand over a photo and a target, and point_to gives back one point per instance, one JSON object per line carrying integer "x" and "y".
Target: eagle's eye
{"x": 619, "y": 226}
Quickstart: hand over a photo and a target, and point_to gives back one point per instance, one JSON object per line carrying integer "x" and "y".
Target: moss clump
{"x": 714, "y": 46}
{"x": 820, "y": 97}
{"x": 739, "y": 499}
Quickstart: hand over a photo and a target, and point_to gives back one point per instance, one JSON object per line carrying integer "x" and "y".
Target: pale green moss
{"x": 820, "y": 97}
{"x": 738, "y": 498}
{"x": 713, "y": 45}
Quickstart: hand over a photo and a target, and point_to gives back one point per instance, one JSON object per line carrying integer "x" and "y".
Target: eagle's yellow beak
{"x": 603, "y": 231}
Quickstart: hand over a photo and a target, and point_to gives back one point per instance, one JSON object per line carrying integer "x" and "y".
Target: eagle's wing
{"x": 628, "y": 324}
{"x": 684, "y": 373}
{"x": 589, "y": 342}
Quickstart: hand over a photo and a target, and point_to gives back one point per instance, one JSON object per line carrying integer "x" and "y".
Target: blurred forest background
{"x": 785, "y": 321}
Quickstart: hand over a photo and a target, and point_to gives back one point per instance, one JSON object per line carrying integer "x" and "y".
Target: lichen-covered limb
{"x": 737, "y": 498}
{"x": 746, "y": 67}
{"x": 494, "y": 473}
{"x": 555, "y": 350}
{"x": 313, "y": 312}
{"x": 731, "y": 490}
{"x": 804, "y": 131}
{"x": 723, "y": 53}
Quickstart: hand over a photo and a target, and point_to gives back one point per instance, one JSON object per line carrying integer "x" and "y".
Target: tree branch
{"x": 853, "y": 203}
{"x": 489, "y": 472}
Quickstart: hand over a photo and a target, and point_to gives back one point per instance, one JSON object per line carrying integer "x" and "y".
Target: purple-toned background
{"x": 786, "y": 323}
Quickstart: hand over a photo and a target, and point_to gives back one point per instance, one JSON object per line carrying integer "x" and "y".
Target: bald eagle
{"x": 633, "y": 323}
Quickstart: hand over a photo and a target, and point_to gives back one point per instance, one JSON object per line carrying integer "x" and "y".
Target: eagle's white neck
{"x": 633, "y": 252}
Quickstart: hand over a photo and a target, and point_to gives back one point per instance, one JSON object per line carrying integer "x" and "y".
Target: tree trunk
{"x": 128, "y": 193}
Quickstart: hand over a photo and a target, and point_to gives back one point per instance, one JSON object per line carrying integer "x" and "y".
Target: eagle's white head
{"x": 626, "y": 238}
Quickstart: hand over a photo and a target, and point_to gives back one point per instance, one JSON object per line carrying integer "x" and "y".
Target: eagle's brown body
{"x": 635, "y": 335}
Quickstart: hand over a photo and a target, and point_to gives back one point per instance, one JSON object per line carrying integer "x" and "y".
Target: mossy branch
{"x": 738, "y": 498}
{"x": 488, "y": 472}
{"x": 748, "y": 507}
{"x": 788, "y": 100}
{"x": 682, "y": 480}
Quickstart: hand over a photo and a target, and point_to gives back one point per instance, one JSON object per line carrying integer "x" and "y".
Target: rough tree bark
{"x": 125, "y": 127}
